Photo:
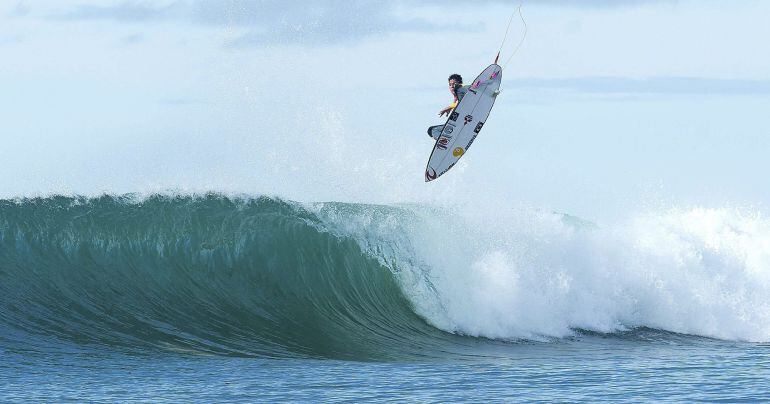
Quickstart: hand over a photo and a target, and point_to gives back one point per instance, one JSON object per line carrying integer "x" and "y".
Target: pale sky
{"x": 607, "y": 106}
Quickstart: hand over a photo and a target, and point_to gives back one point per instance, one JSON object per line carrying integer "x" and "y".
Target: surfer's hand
{"x": 446, "y": 111}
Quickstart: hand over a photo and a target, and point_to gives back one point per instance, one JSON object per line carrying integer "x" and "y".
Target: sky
{"x": 607, "y": 106}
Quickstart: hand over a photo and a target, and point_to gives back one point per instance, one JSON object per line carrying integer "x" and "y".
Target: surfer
{"x": 457, "y": 90}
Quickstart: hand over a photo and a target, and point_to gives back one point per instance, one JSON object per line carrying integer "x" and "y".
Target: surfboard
{"x": 464, "y": 123}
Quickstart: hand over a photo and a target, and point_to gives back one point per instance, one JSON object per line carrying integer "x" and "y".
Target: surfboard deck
{"x": 464, "y": 123}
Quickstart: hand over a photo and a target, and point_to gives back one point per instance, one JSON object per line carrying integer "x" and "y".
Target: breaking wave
{"x": 260, "y": 276}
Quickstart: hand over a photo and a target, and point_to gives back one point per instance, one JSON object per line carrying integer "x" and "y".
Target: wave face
{"x": 264, "y": 277}
{"x": 200, "y": 274}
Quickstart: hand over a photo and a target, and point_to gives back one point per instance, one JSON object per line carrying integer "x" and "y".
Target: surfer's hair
{"x": 456, "y": 77}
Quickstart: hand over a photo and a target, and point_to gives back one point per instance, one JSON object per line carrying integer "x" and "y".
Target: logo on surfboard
{"x": 478, "y": 127}
{"x": 468, "y": 119}
{"x": 429, "y": 176}
{"x": 458, "y": 151}
{"x": 468, "y": 146}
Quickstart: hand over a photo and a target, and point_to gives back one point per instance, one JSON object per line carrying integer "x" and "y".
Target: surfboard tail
{"x": 430, "y": 174}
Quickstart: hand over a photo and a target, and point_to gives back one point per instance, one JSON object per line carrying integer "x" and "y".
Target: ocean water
{"x": 220, "y": 297}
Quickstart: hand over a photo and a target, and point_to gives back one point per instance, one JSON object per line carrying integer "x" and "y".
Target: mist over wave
{"x": 261, "y": 276}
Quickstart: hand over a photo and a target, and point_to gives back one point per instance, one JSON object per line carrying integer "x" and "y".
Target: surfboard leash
{"x": 505, "y": 36}
{"x": 523, "y": 37}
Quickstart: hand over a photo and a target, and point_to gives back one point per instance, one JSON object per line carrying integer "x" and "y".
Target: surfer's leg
{"x": 435, "y": 131}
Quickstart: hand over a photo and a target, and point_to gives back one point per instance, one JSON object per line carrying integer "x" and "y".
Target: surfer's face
{"x": 452, "y": 85}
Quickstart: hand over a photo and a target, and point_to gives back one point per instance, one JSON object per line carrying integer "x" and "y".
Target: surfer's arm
{"x": 448, "y": 109}
{"x": 453, "y": 105}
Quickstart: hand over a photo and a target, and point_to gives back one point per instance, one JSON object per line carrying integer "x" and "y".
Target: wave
{"x": 200, "y": 274}
{"x": 213, "y": 274}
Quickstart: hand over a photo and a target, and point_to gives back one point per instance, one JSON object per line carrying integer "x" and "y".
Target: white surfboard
{"x": 464, "y": 123}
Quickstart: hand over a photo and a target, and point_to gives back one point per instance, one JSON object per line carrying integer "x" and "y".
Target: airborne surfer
{"x": 458, "y": 90}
